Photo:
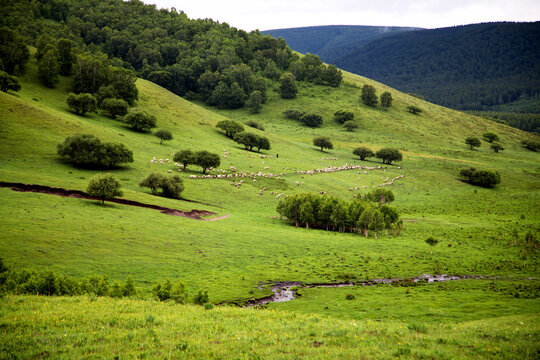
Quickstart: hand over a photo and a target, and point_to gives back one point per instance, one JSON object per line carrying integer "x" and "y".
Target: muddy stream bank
{"x": 287, "y": 290}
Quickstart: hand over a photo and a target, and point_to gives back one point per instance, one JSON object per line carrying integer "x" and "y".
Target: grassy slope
{"x": 229, "y": 257}
{"x": 94, "y": 328}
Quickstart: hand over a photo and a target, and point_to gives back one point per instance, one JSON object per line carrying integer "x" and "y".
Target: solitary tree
{"x": 186, "y": 157}
{"x": 414, "y": 109}
{"x": 350, "y": 125}
{"x": 386, "y": 99}
{"x": 207, "y": 160}
{"x": 104, "y": 186}
{"x": 473, "y": 142}
{"x": 490, "y": 137}
{"x": 388, "y": 155}
{"x": 323, "y": 142}
{"x": 82, "y": 103}
{"x": 496, "y": 147}
{"x": 115, "y": 107}
{"x": 363, "y": 152}
{"x": 249, "y": 140}
{"x": 431, "y": 241}
{"x": 287, "y": 86}
{"x": 140, "y": 120}
{"x": 369, "y": 96}
{"x": 163, "y": 134}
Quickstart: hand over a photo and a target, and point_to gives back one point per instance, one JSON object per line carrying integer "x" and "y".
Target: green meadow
{"x": 481, "y": 232}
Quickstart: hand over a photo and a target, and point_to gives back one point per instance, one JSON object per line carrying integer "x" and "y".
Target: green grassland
{"x": 481, "y": 230}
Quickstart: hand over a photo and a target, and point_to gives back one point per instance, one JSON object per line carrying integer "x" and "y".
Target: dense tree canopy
{"x": 88, "y": 150}
{"x": 82, "y": 103}
{"x": 287, "y": 86}
{"x": 104, "y": 186}
{"x": 140, "y": 120}
{"x": 363, "y": 152}
{"x": 8, "y": 82}
{"x": 341, "y": 116}
{"x": 473, "y": 142}
{"x": 13, "y": 51}
{"x": 388, "y": 155}
{"x": 323, "y": 142}
{"x": 484, "y": 178}
{"x": 369, "y": 95}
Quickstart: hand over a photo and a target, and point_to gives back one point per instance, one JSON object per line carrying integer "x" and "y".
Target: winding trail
{"x": 193, "y": 214}
{"x": 286, "y": 290}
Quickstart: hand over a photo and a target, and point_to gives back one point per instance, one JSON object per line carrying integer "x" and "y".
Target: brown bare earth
{"x": 193, "y": 214}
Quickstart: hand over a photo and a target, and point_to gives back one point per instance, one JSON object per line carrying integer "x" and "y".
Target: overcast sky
{"x": 276, "y": 14}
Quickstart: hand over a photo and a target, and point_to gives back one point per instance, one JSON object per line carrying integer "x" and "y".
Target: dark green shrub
{"x": 350, "y": 297}
{"x": 531, "y": 145}
{"x": 369, "y": 95}
{"x": 115, "y": 107}
{"x": 350, "y": 125}
{"x": 8, "y": 82}
{"x": 341, "y": 116}
{"x": 293, "y": 114}
{"x": 201, "y": 297}
{"x": 312, "y": 120}
{"x": 414, "y": 109}
{"x": 230, "y": 127}
{"x": 484, "y": 178}
{"x": 140, "y": 120}
{"x": 255, "y": 124}
{"x": 82, "y": 103}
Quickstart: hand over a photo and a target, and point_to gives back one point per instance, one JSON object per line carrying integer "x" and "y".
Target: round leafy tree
{"x": 431, "y": 241}
{"x": 323, "y": 142}
{"x": 473, "y": 142}
{"x": 163, "y": 135}
{"x": 341, "y": 116}
{"x": 386, "y": 99}
{"x": 350, "y": 125}
{"x": 153, "y": 182}
{"x": 287, "y": 86}
{"x": 230, "y": 127}
{"x": 115, "y": 107}
{"x": 249, "y": 140}
{"x": 363, "y": 153}
{"x": 8, "y": 82}
{"x": 186, "y": 157}
{"x": 490, "y": 137}
{"x": 140, "y": 120}
{"x": 369, "y": 96}
{"x": 496, "y": 147}
{"x": 255, "y": 102}
{"x": 82, "y": 103}
{"x": 388, "y": 155}
{"x": 207, "y": 160}
{"x": 104, "y": 186}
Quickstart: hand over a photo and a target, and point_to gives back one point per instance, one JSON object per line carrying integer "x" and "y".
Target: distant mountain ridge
{"x": 472, "y": 67}
{"x": 331, "y": 42}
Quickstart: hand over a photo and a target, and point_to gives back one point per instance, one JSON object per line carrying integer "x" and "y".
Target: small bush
{"x": 531, "y": 145}
{"x": 312, "y": 120}
{"x": 414, "y": 109}
{"x": 201, "y": 297}
{"x": 350, "y": 297}
{"x": 293, "y": 114}
{"x": 350, "y": 125}
{"x": 484, "y": 178}
{"x": 341, "y": 116}
{"x": 255, "y": 124}
{"x": 208, "y": 306}
{"x": 140, "y": 120}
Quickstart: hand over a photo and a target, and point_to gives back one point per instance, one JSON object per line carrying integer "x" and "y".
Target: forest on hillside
{"x": 333, "y": 41}
{"x": 222, "y": 64}
{"x": 473, "y": 67}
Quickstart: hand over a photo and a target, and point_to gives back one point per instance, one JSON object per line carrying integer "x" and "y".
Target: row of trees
{"x": 484, "y": 178}
{"x": 474, "y": 142}
{"x": 369, "y": 97}
{"x": 204, "y": 159}
{"x": 236, "y": 131}
{"x": 370, "y": 213}
{"x": 387, "y": 155}
{"x": 88, "y": 150}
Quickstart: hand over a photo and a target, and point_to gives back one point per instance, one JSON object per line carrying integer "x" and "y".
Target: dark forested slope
{"x": 333, "y": 41}
{"x": 466, "y": 67}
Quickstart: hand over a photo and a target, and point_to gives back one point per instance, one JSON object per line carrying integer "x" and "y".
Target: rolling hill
{"x": 490, "y": 66}
{"x": 333, "y": 41}
{"x": 487, "y": 236}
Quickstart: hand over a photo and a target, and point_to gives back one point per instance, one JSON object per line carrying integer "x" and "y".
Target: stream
{"x": 286, "y": 290}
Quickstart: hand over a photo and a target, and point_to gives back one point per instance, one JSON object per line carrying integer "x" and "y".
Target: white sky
{"x": 276, "y": 14}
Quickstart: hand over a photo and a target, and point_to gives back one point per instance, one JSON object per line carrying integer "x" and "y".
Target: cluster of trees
{"x": 204, "y": 159}
{"x": 8, "y": 82}
{"x": 369, "y": 213}
{"x": 55, "y": 57}
{"x": 387, "y": 155}
{"x": 88, "y": 150}
{"x": 250, "y": 140}
{"x": 484, "y": 178}
{"x": 460, "y": 67}
{"x": 235, "y": 131}
{"x": 177, "y": 293}
{"x": 308, "y": 119}
{"x": 14, "y": 53}
{"x": 346, "y": 118}
{"x": 170, "y": 186}
{"x": 369, "y": 97}
{"x": 492, "y": 138}
{"x": 221, "y": 63}
{"x": 48, "y": 283}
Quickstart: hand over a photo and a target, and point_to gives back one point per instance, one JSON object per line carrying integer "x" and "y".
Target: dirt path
{"x": 217, "y": 218}
{"x": 283, "y": 291}
{"x": 193, "y": 214}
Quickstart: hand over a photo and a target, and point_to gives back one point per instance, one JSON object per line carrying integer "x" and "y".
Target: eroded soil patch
{"x": 193, "y": 214}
